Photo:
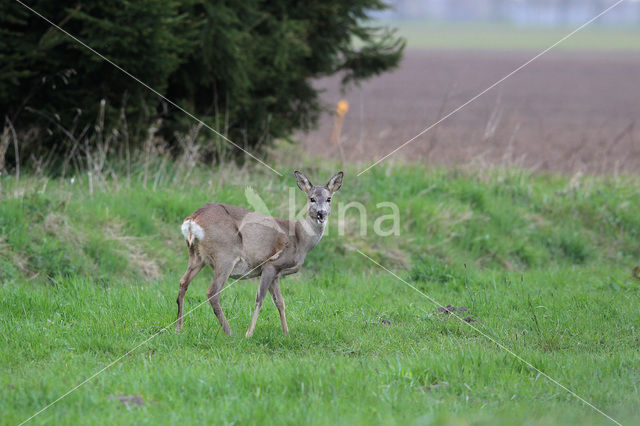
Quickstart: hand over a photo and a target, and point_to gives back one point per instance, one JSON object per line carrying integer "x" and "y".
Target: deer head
{"x": 319, "y": 197}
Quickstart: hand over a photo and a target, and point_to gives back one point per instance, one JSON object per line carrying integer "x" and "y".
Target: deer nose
{"x": 322, "y": 214}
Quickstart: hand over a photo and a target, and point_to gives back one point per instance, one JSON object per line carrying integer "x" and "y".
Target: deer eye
{"x": 329, "y": 200}
{"x": 313, "y": 200}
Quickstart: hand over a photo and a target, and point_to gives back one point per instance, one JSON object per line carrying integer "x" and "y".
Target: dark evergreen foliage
{"x": 247, "y": 64}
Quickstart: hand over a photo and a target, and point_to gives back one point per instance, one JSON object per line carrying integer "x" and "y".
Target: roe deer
{"x": 241, "y": 244}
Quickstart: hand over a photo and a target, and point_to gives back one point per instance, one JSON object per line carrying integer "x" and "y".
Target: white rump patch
{"x": 185, "y": 229}
{"x": 192, "y": 230}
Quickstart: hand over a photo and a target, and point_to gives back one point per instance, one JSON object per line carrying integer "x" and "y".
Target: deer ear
{"x": 303, "y": 182}
{"x": 335, "y": 182}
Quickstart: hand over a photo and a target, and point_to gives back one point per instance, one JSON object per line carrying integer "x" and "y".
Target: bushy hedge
{"x": 246, "y": 67}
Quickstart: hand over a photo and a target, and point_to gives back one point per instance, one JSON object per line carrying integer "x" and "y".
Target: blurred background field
{"x": 573, "y": 109}
{"x": 425, "y": 34}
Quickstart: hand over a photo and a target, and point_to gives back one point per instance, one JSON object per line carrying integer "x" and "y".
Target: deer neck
{"x": 312, "y": 231}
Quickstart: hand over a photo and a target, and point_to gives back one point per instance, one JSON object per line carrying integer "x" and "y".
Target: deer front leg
{"x": 279, "y": 302}
{"x": 266, "y": 279}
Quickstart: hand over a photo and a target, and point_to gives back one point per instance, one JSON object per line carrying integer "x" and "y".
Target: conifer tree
{"x": 249, "y": 64}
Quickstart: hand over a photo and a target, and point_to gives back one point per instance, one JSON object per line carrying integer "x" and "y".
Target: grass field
{"x": 439, "y": 35}
{"x": 541, "y": 263}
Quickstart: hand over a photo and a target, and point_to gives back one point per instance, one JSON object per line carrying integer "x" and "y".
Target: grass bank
{"x": 541, "y": 263}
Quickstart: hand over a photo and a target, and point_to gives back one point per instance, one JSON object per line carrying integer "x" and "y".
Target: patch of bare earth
{"x": 132, "y": 248}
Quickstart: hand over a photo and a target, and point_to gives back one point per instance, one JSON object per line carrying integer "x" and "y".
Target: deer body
{"x": 240, "y": 244}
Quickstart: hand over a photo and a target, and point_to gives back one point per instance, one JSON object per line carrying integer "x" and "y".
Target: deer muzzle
{"x": 321, "y": 216}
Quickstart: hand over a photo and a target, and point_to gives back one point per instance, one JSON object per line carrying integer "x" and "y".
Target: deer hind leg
{"x": 266, "y": 279}
{"x": 221, "y": 272}
{"x": 279, "y": 302}
{"x": 195, "y": 266}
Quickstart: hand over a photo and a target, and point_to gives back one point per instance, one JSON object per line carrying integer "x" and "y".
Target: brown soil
{"x": 565, "y": 112}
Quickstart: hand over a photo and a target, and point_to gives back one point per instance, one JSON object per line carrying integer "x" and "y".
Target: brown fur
{"x": 241, "y": 244}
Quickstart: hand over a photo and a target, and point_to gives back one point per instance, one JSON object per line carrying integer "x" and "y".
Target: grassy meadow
{"x": 541, "y": 263}
{"x": 422, "y": 34}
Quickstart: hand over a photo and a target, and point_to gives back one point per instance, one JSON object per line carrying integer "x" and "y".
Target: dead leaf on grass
{"x": 436, "y": 386}
{"x": 128, "y": 400}
{"x": 450, "y": 309}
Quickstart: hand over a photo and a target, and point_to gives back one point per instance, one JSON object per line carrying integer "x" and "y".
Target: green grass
{"x": 542, "y": 263}
{"x": 437, "y": 35}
